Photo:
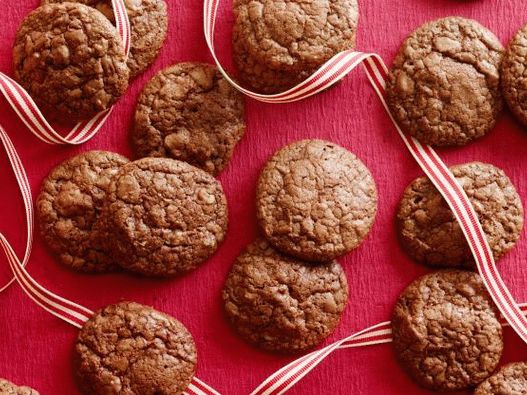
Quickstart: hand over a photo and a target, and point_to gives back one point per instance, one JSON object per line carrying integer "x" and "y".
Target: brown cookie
{"x": 315, "y": 200}
{"x": 189, "y": 112}
{"x": 283, "y": 304}
{"x": 513, "y": 78}
{"x": 163, "y": 217}
{"x": 129, "y": 348}
{"x": 511, "y": 379}
{"x": 429, "y": 231}
{"x": 445, "y": 331}
{"x": 8, "y": 388}
{"x": 69, "y": 205}
{"x": 71, "y": 60}
{"x": 149, "y": 25}
{"x": 277, "y": 44}
{"x": 443, "y": 86}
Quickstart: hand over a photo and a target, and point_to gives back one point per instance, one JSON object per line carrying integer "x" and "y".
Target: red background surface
{"x": 36, "y": 348}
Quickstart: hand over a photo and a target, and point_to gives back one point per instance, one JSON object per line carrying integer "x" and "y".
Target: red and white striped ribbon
{"x": 332, "y": 71}
{"x": 60, "y": 307}
{"x": 29, "y": 113}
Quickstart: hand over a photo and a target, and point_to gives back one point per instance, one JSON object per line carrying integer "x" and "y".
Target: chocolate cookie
{"x": 443, "y": 86}
{"x": 189, "y": 112}
{"x": 71, "y": 60}
{"x": 315, "y": 200}
{"x": 513, "y": 79}
{"x": 149, "y": 25}
{"x": 283, "y": 304}
{"x": 8, "y": 388}
{"x": 429, "y": 231}
{"x": 277, "y": 44}
{"x": 445, "y": 331}
{"x": 163, "y": 217}
{"x": 511, "y": 379}
{"x": 69, "y": 205}
{"x": 128, "y": 348}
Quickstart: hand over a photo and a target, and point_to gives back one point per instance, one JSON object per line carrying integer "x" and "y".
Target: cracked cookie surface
{"x": 149, "y": 25}
{"x": 514, "y": 75}
{"x": 129, "y": 348}
{"x": 283, "y": 304}
{"x": 69, "y": 206}
{"x": 445, "y": 331}
{"x": 429, "y": 231}
{"x": 444, "y": 84}
{"x": 189, "y": 112}
{"x": 511, "y": 379}
{"x": 315, "y": 200}
{"x": 276, "y": 43}
{"x": 71, "y": 61}
{"x": 163, "y": 217}
{"x": 8, "y": 388}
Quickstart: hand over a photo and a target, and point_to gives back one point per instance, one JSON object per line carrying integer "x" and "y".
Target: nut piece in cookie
{"x": 71, "y": 60}
{"x": 315, "y": 200}
{"x": 8, "y": 388}
{"x": 191, "y": 113}
{"x": 163, "y": 217}
{"x": 446, "y": 333}
{"x": 278, "y": 44}
{"x": 69, "y": 206}
{"x": 283, "y": 304}
{"x": 149, "y": 25}
{"x": 511, "y": 379}
{"x": 129, "y": 348}
{"x": 444, "y": 84}
{"x": 429, "y": 231}
{"x": 513, "y": 79}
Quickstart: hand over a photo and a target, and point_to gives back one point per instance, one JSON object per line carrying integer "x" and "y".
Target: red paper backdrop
{"x": 36, "y": 348}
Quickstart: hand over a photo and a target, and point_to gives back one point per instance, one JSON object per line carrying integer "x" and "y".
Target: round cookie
{"x": 189, "y": 112}
{"x": 149, "y": 25}
{"x": 444, "y": 84}
{"x": 70, "y": 60}
{"x": 446, "y": 333}
{"x": 283, "y": 304}
{"x": 315, "y": 200}
{"x": 8, "y": 388}
{"x": 284, "y": 42}
{"x": 513, "y": 76}
{"x": 69, "y": 206}
{"x": 429, "y": 231}
{"x": 163, "y": 217}
{"x": 128, "y": 348}
{"x": 511, "y": 379}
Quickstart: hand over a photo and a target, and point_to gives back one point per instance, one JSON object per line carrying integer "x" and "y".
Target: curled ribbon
{"x": 60, "y": 307}
{"x": 328, "y": 74}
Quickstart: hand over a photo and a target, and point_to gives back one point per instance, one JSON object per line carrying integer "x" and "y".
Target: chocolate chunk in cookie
{"x": 69, "y": 205}
{"x": 511, "y": 379}
{"x": 128, "y": 348}
{"x": 444, "y": 84}
{"x": 149, "y": 25}
{"x": 513, "y": 75}
{"x": 191, "y": 113}
{"x": 315, "y": 200}
{"x": 445, "y": 331}
{"x": 71, "y": 60}
{"x": 284, "y": 42}
{"x": 283, "y": 304}
{"x": 163, "y": 217}
{"x": 429, "y": 231}
{"x": 8, "y": 388}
